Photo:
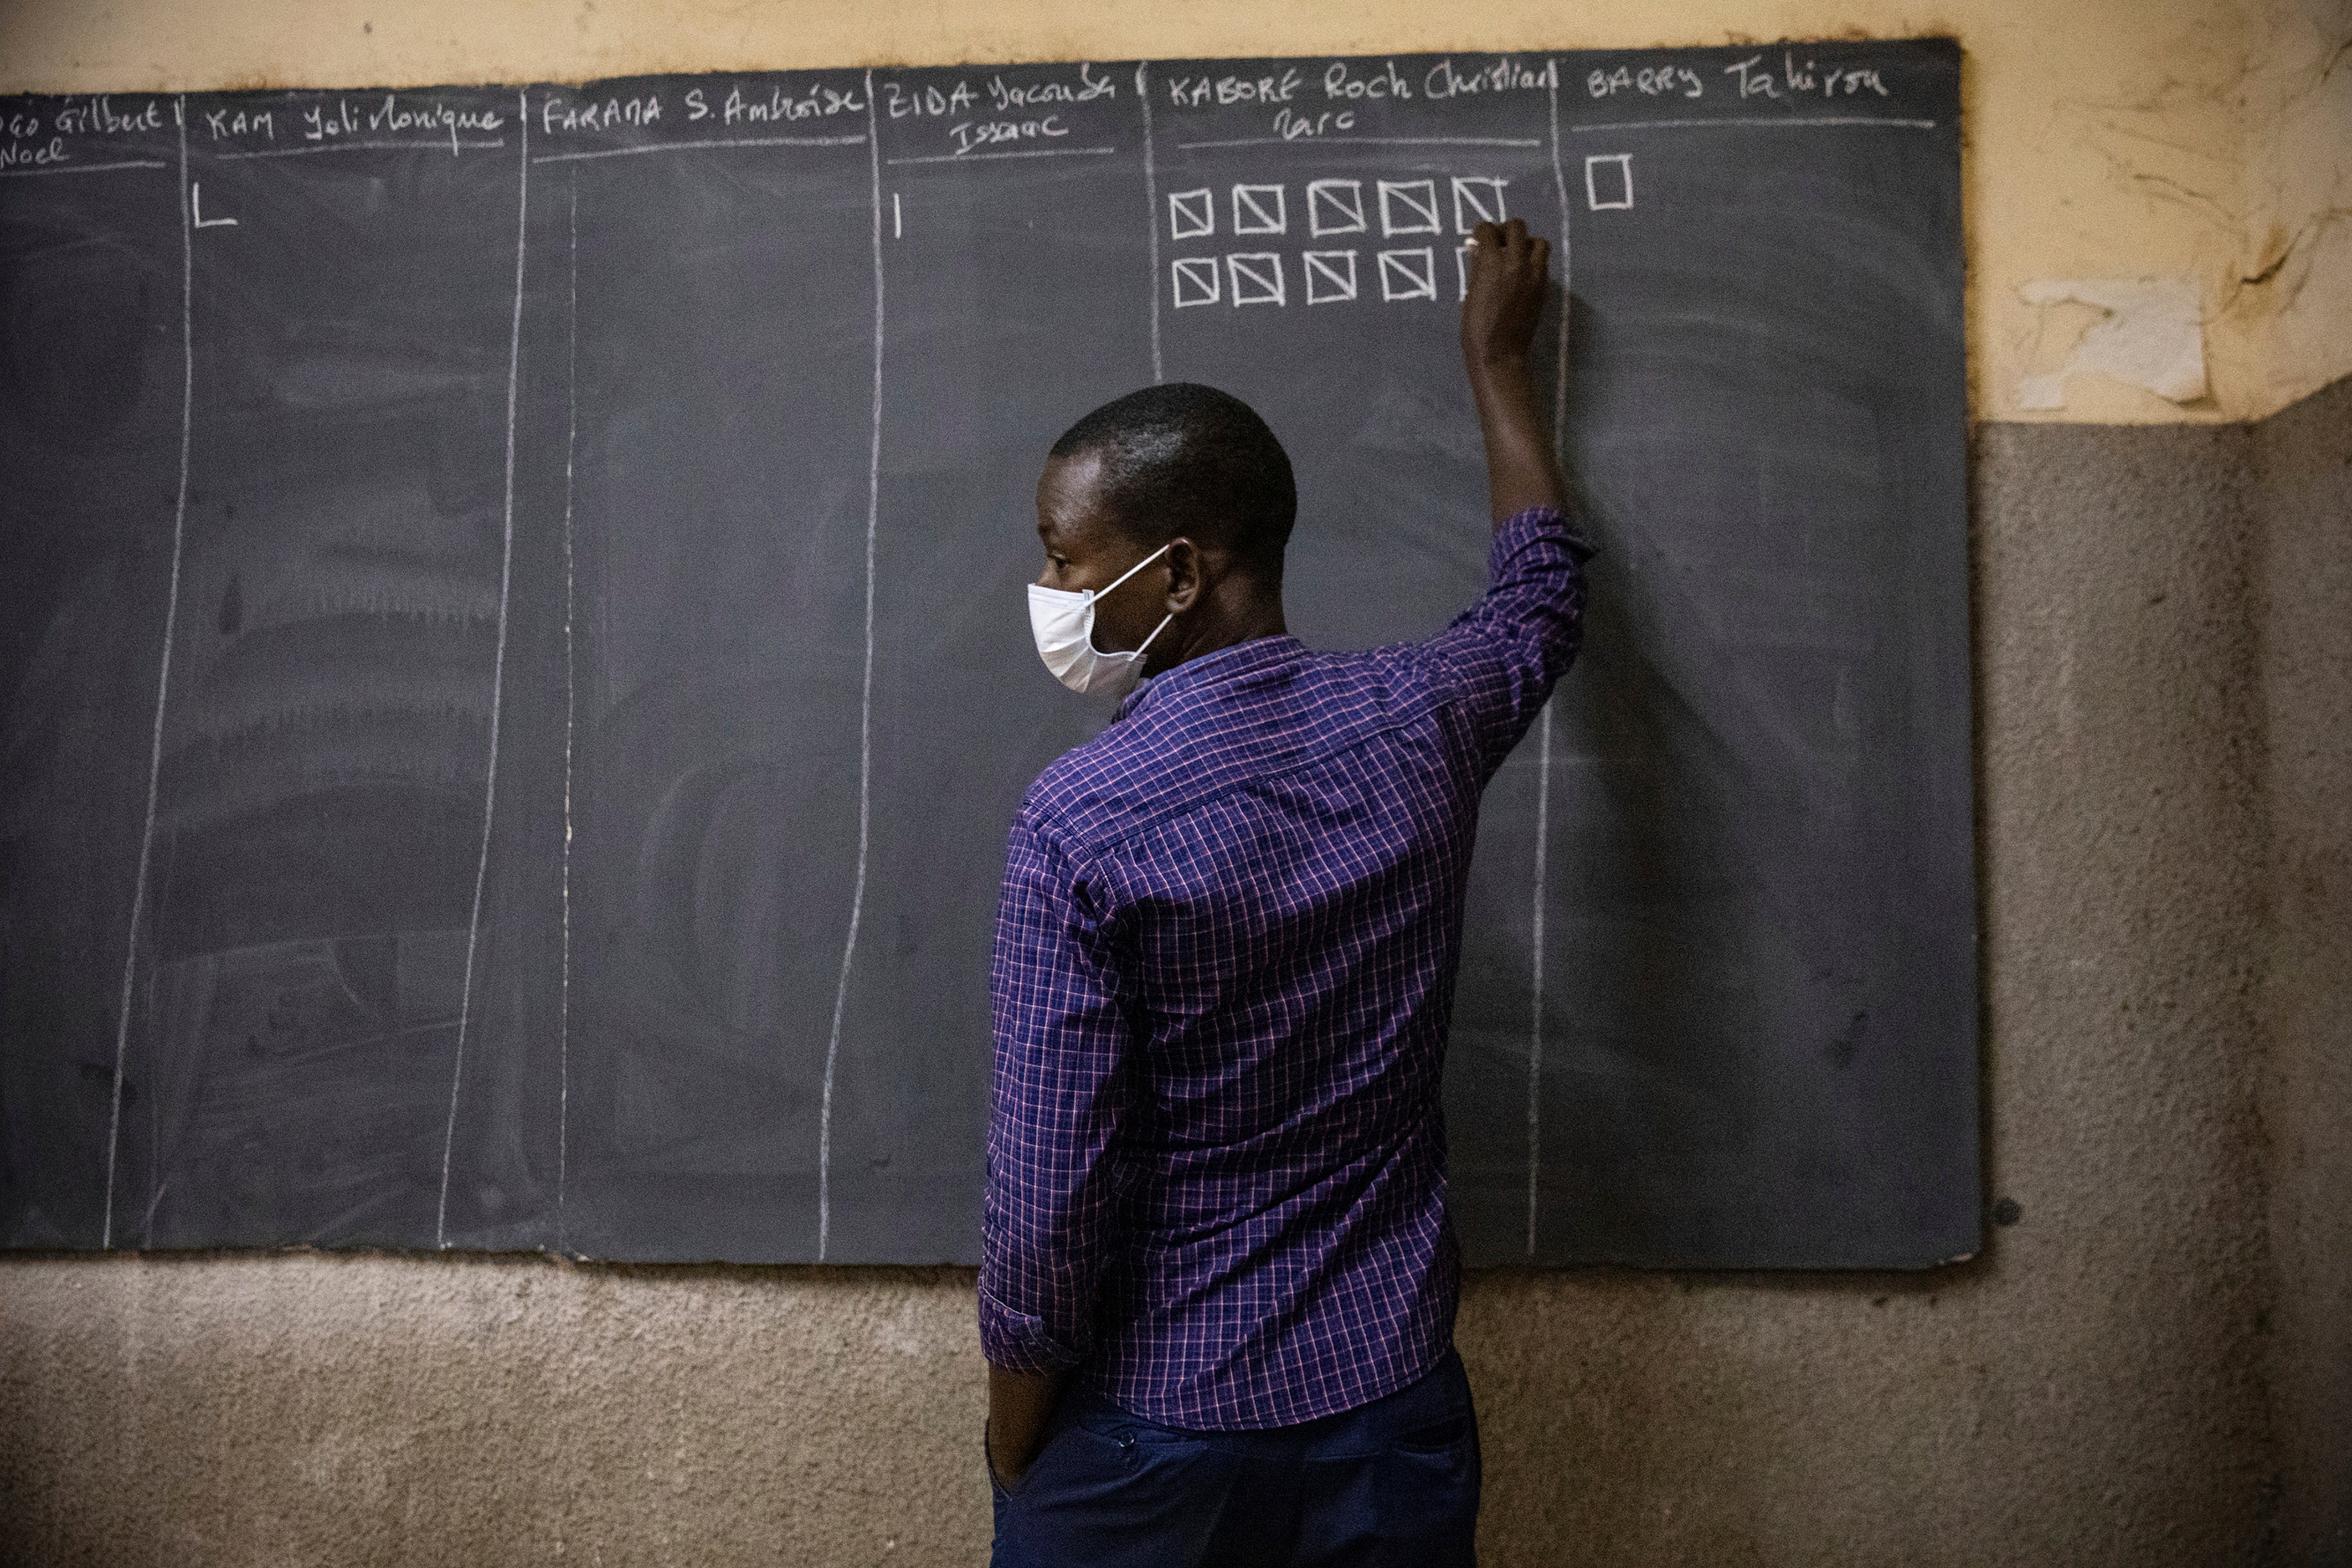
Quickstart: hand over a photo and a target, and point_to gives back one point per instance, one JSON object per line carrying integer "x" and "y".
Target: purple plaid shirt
{"x": 1224, "y": 965}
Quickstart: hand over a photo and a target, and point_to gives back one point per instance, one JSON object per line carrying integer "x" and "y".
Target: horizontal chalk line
{"x": 696, "y": 146}
{"x": 442, "y": 144}
{"x": 1031, "y": 152}
{"x": 86, "y": 168}
{"x": 1755, "y": 119}
{"x": 1371, "y": 142}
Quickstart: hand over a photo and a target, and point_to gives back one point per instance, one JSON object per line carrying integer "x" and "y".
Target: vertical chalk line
{"x": 864, "y": 714}
{"x": 1152, "y": 209}
{"x": 1535, "y": 970}
{"x": 498, "y": 676}
{"x": 570, "y": 709}
{"x": 163, "y": 678}
{"x": 1543, "y": 722}
{"x": 1567, "y": 268}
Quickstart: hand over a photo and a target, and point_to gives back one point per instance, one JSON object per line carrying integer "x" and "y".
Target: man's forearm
{"x": 1522, "y": 468}
{"x": 1510, "y": 276}
{"x": 1019, "y": 1405}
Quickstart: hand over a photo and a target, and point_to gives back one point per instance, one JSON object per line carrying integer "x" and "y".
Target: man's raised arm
{"x": 1501, "y": 657}
{"x": 1509, "y": 273}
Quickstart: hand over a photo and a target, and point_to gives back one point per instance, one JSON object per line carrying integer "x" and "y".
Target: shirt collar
{"x": 1231, "y": 663}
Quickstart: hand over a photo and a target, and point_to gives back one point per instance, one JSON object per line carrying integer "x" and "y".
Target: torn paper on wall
{"x": 2153, "y": 335}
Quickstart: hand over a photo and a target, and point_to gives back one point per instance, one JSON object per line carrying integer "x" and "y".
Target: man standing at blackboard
{"x": 1218, "y": 1281}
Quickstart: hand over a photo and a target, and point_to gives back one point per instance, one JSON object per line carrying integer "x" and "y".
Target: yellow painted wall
{"x": 2106, "y": 139}
{"x": 2293, "y": 286}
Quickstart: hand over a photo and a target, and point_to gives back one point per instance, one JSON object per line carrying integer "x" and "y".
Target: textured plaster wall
{"x": 2206, "y": 140}
{"x": 2092, "y": 1390}
{"x": 2304, "y": 470}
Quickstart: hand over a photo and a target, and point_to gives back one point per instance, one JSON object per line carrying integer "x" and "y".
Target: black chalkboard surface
{"x": 516, "y": 673}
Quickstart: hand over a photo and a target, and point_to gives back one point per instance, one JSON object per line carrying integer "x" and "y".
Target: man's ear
{"x": 1183, "y": 575}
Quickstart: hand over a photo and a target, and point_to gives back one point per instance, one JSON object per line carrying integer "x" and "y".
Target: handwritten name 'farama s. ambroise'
{"x": 773, "y": 104}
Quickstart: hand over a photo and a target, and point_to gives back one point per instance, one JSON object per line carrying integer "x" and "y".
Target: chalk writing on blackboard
{"x": 542, "y": 842}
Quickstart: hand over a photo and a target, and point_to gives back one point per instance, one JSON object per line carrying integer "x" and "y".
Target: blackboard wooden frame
{"x": 517, "y": 676}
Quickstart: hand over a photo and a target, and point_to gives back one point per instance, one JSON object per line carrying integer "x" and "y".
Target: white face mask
{"x": 1063, "y": 622}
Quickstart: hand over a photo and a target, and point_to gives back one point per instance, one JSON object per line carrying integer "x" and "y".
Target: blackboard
{"x": 516, "y": 673}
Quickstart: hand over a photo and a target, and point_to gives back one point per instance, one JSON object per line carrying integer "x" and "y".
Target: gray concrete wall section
{"x": 2097, "y": 1388}
{"x": 2303, "y": 467}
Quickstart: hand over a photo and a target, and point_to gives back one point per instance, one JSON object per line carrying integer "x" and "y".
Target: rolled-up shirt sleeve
{"x": 1059, "y": 1091}
{"x": 1502, "y": 655}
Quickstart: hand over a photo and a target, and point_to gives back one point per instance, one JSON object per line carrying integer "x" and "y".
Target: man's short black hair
{"x": 1183, "y": 459}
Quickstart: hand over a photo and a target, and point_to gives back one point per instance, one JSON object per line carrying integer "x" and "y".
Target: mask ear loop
{"x": 1136, "y": 655}
{"x": 1146, "y": 643}
{"x": 1094, "y": 594}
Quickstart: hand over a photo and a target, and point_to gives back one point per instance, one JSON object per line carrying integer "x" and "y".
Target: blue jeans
{"x": 1391, "y": 1482}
